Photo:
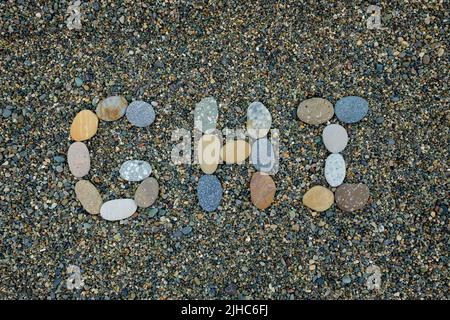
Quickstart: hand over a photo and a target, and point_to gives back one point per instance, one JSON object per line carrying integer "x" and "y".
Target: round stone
{"x": 352, "y": 197}
{"x": 84, "y": 125}
{"x": 259, "y": 120}
{"x": 235, "y": 151}
{"x": 146, "y": 193}
{"x": 78, "y": 159}
{"x": 111, "y": 108}
{"x": 209, "y": 153}
{"x": 263, "y": 155}
{"x": 262, "y": 190}
{"x": 89, "y": 197}
{"x": 135, "y": 170}
{"x": 209, "y": 192}
{"x": 205, "y": 114}
{"x": 140, "y": 114}
{"x": 318, "y": 198}
{"x": 351, "y": 109}
{"x": 335, "y": 138}
{"x": 315, "y": 111}
{"x": 335, "y": 169}
{"x": 118, "y": 209}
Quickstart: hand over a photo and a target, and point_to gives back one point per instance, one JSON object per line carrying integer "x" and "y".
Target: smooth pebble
{"x": 135, "y": 170}
{"x": 315, "y": 111}
{"x": 209, "y": 192}
{"x": 205, "y": 114}
{"x": 84, "y": 125}
{"x": 118, "y": 209}
{"x": 352, "y": 197}
{"x": 112, "y": 108}
{"x": 263, "y": 155}
{"x": 78, "y": 159}
{"x": 146, "y": 193}
{"x": 140, "y": 114}
{"x": 89, "y": 197}
{"x": 351, "y": 109}
{"x": 259, "y": 120}
{"x": 335, "y": 138}
{"x": 318, "y": 198}
{"x": 262, "y": 190}
{"x": 335, "y": 169}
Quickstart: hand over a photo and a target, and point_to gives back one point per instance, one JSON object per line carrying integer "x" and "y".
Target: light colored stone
{"x": 84, "y": 125}
{"x": 262, "y": 190}
{"x": 263, "y": 155}
{"x": 352, "y": 197}
{"x": 205, "y": 114}
{"x": 335, "y": 138}
{"x": 318, "y": 198}
{"x": 315, "y": 111}
{"x": 335, "y": 169}
{"x": 146, "y": 193}
{"x": 235, "y": 151}
{"x": 118, "y": 209}
{"x": 140, "y": 114}
{"x": 89, "y": 197}
{"x": 135, "y": 170}
{"x": 259, "y": 120}
{"x": 112, "y": 108}
{"x": 78, "y": 159}
{"x": 209, "y": 153}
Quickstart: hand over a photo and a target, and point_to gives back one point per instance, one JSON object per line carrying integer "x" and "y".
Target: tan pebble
{"x": 209, "y": 153}
{"x": 318, "y": 198}
{"x": 84, "y": 126}
{"x": 112, "y": 108}
{"x": 315, "y": 111}
{"x": 235, "y": 151}
{"x": 89, "y": 196}
{"x": 146, "y": 193}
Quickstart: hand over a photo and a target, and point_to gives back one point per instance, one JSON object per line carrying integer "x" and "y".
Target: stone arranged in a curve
{"x": 351, "y": 109}
{"x": 205, "y": 114}
{"x": 78, "y": 159}
{"x": 235, "y": 151}
{"x": 112, "y": 108}
{"x": 262, "y": 190}
{"x": 335, "y": 138}
{"x": 315, "y": 111}
{"x": 140, "y": 114}
{"x": 318, "y": 198}
{"x": 135, "y": 170}
{"x": 146, "y": 193}
{"x": 335, "y": 169}
{"x": 118, "y": 209}
{"x": 84, "y": 126}
{"x": 89, "y": 197}
{"x": 208, "y": 149}
{"x": 259, "y": 120}
{"x": 209, "y": 192}
{"x": 352, "y": 197}
{"x": 263, "y": 155}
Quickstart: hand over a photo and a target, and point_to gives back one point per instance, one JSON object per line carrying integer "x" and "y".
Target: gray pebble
{"x": 140, "y": 114}
{"x": 351, "y": 109}
{"x": 209, "y": 192}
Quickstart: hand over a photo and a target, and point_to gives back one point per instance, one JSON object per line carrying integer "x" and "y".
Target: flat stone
{"x": 112, "y": 108}
{"x": 209, "y": 192}
{"x": 352, "y": 197}
{"x": 351, "y": 109}
{"x": 315, "y": 111}
{"x": 335, "y": 169}
{"x": 140, "y": 114}
{"x": 118, "y": 209}
{"x": 78, "y": 159}
{"x": 318, "y": 198}
{"x": 89, "y": 197}
{"x": 262, "y": 190}
{"x": 84, "y": 126}
{"x": 146, "y": 193}
{"x": 135, "y": 170}
{"x": 209, "y": 153}
{"x": 235, "y": 151}
{"x": 263, "y": 155}
{"x": 335, "y": 138}
{"x": 259, "y": 120}
{"x": 205, "y": 114}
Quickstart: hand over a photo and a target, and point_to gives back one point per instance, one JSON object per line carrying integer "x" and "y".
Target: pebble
{"x": 84, "y": 126}
{"x": 146, "y": 193}
{"x": 235, "y": 151}
{"x": 263, "y": 155}
{"x": 209, "y": 192}
{"x": 335, "y": 169}
{"x": 152, "y": 212}
{"x": 135, "y": 170}
{"x": 259, "y": 120}
{"x": 262, "y": 190}
{"x": 315, "y": 111}
{"x": 140, "y": 114}
{"x": 205, "y": 114}
{"x": 186, "y": 230}
{"x": 426, "y": 59}
{"x": 6, "y": 113}
{"x": 335, "y": 138}
{"x": 118, "y": 209}
{"x": 78, "y": 82}
{"x": 209, "y": 153}
{"x": 78, "y": 159}
{"x": 318, "y": 198}
{"x": 111, "y": 108}
{"x": 379, "y": 120}
{"x": 351, "y": 109}
{"x": 352, "y": 197}
{"x": 89, "y": 197}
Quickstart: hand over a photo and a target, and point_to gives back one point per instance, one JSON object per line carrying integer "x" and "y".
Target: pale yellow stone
{"x": 84, "y": 125}
{"x": 209, "y": 153}
{"x": 318, "y": 198}
{"x": 235, "y": 151}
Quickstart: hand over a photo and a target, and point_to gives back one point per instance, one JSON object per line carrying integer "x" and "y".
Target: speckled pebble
{"x": 209, "y": 192}
{"x": 352, "y": 197}
{"x": 335, "y": 169}
{"x": 259, "y": 120}
{"x": 135, "y": 170}
{"x": 140, "y": 114}
{"x": 205, "y": 114}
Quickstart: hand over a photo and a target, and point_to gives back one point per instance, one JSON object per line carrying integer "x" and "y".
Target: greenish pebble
{"x": 152, "y": 212}
{"x": 78, "y": 81}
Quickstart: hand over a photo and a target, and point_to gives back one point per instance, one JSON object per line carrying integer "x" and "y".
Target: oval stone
{"x": 351, "y": 109}
{"x": 315, "y": 111}
{"x": 262, "y": 190}
{"x": 78, "y": 159}
{"x": 318, "y": 198}
{"x": 112, "y": 108}
{"x": 118, "y": 209}
{"x": 146, "y": 193}
{"x": 135, "y": 170}
{"x": 140, "y": 114}
{"x": 335, "y": 169}
{"x": 205, "y": 114}
{"x": 335, "y": 138}
{"x": 209, "y": 153}
{"x": 89, "y": 197}
{"x": 263, "y": 155}
{"x": 209, "y": 192}
{"x": 84, "y": 125}
{"x": 352, "y": 197}
{"x": 235, "y": 151}
{"x": 259, "y": 120}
